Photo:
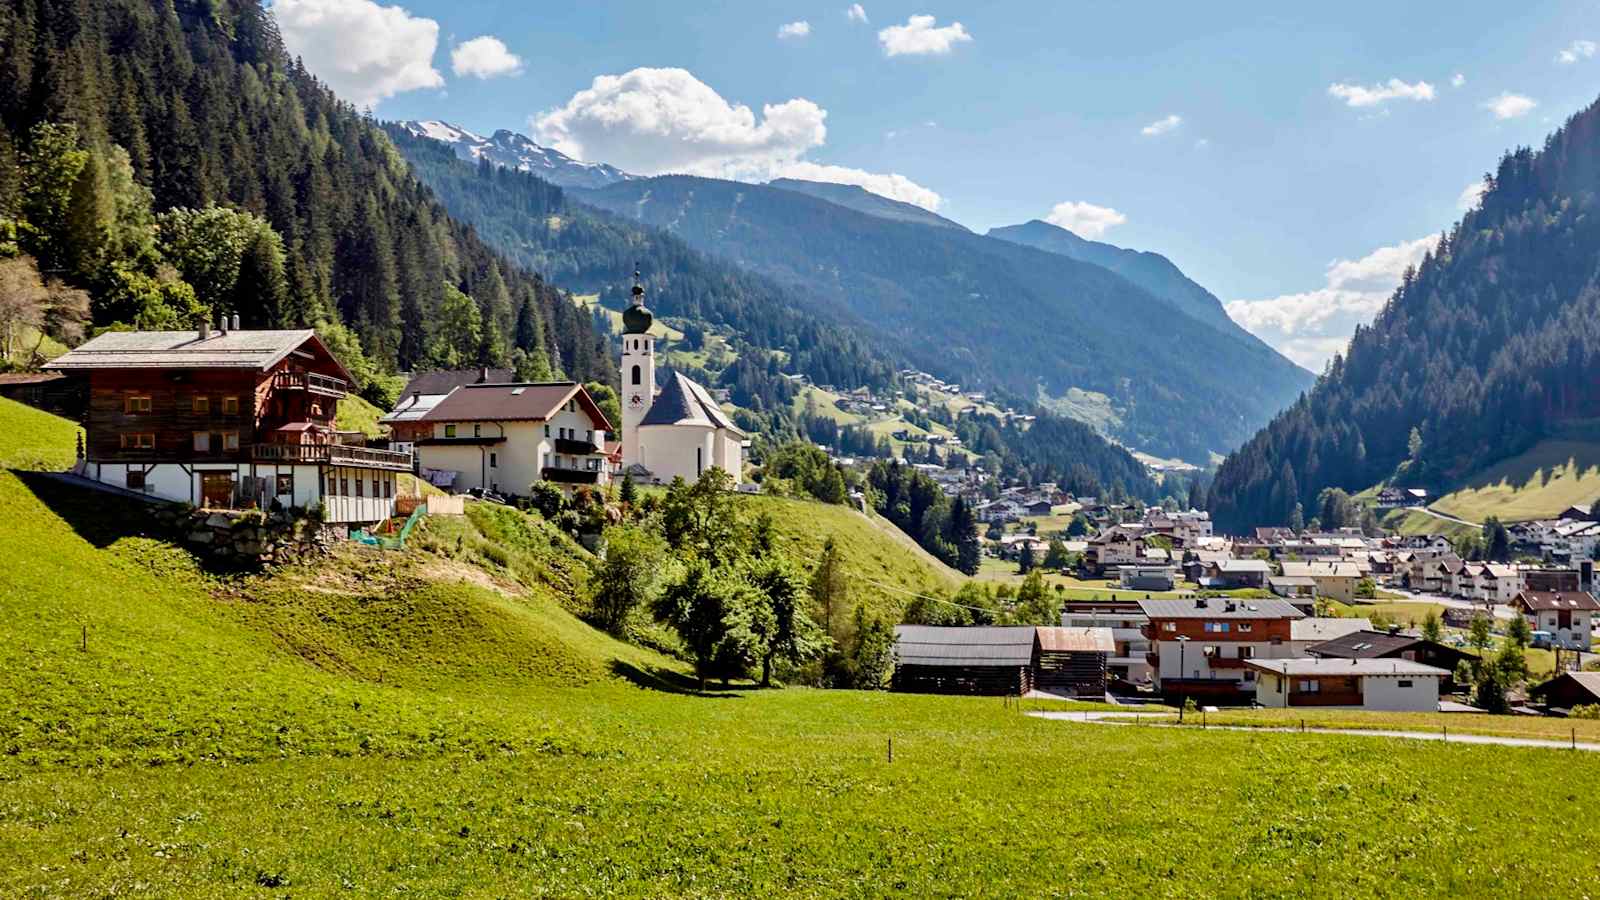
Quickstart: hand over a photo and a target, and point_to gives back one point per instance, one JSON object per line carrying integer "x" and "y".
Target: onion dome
{"x": 637, "y": 318}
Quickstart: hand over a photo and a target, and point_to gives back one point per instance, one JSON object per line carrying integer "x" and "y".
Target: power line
{"x": 898, "y": 590}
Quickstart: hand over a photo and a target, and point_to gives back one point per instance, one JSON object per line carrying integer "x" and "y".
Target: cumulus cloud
{"x": 794, "y": 30}
{"x": 1509, "y": 105}
{"x": 1575, "y": 51}
{"x": 1470, "y": 195}
{"x": 921, "y": 36}
{"x": 484, "y": 57}
{"x": 1162, "y": 126}
{"x": 1310, "y": 327}
{"x": 1085, "y": 220}
{"x": 656, "y": 121}
{"x": 1457, "y": 80}
{"x": 364, "y": 51}
{"x": 1360, "y": 96}
{"x": 855, "y": 13}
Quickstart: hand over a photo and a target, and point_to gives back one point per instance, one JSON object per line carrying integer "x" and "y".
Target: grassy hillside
{"x": 356, "y": 414}
{"x": 438, "y": 723}
{"x": 1416, "y": 521}
{"x": 1537, "y": 484}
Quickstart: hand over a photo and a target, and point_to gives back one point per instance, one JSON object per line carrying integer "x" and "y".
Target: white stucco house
{"x": 680, "y": 431}
{"x": 506, "y": 437}
{"x": 1389, "y": 685}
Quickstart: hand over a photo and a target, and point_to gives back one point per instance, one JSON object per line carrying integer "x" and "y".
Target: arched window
{"x": 635, "y": 374}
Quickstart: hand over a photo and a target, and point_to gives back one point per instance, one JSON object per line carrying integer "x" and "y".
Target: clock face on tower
{"x": 636, "y": 400}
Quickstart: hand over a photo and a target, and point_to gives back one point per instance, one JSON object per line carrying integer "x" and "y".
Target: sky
{"x": 1293, "y": 161}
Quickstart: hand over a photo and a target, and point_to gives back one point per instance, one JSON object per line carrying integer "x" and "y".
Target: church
{"x": 680, "y": 431}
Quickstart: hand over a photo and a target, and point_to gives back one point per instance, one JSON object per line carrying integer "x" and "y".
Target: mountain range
{"x": 1041, "y": 326}
{"x": 516, "y": 151}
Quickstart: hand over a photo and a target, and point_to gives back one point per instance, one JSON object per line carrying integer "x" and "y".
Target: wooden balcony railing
{"x": 310, "y": 381}
{"x": 563, "y": 475}
{"x": 574, "y": 447}
{"x": 333, "y": 454}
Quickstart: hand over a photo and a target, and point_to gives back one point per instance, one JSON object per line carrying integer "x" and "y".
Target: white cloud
{"x": 1085, "y": 220}
{"x": 1310, "y": 327}
{"x": 1394, "y": 89}
{"x": 856, "y": 14}
{"x": 1509, "y": 105}
{"x": 1470, "y": 195}
{"x": 1162, "y": 126}
{"x": 364, "y": 51}
{"x": 1457, "y": 80}
{"x": 656, "y": 121}
{"x": 798, "y": 29}
{"x": 919, "y": 36}
{"x": 1577, "y": 50}
{"x": 484, "y": 57}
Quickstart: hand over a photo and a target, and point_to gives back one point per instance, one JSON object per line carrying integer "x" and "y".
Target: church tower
{"x": 638, "y": 372}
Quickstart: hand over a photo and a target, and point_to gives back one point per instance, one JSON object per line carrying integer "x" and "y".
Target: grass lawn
{"x": 356, "y": 414}
{"x": 439, "y": 722}
{"x": 1537, "y": 484}
{"x": 1406, "y": 613}
{"x": 1457, "y": 723}
{"x": 1004, "y": 571}
{"x": 1415, "y": 521}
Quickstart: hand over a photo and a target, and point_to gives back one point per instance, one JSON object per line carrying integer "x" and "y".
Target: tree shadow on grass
{"x": 660, "y": 678}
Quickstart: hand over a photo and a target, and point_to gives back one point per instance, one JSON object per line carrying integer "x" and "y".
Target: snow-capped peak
{"x": 443, "y": 131}
{"x": 517, "y": 151}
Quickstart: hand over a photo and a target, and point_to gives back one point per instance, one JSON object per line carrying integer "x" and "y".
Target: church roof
{"x": 682, "y": 402}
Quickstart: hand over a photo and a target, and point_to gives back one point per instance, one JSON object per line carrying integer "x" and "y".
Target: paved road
{"x": 1130, "y": 718}
{"x": 1501, "y": 611}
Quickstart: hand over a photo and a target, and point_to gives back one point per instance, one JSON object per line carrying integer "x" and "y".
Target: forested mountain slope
{"x": 1151, "y": 271}
{"x": 1489, "y": 346}
{"x": 986, "y": 312}
{"x": 862, "y": 200}
{"x": 115, "y": 111}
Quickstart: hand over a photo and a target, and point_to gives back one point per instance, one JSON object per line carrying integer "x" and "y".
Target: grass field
{"x": 440, "y": 723}
{"x": 356, "y": 414}
{"x": 1587, "y": 730}
{"x": 1537, "y": 484}
{"x": 1415, "y": 521}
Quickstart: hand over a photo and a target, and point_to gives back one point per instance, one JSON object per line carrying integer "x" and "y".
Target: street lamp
{"x": 1182, "y": 639}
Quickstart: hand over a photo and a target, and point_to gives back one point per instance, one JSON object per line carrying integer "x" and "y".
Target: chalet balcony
{"x": 333, "y": 455}
{"x": 324, "y": 385}
{"x": 564, "y": 475}
{"x": 1226, "y": 662}
{"x": 572, "y": 447}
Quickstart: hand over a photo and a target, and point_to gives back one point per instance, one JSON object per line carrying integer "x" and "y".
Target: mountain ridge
{"x": 862, "y": 200}
{"x": 518, "y": 151}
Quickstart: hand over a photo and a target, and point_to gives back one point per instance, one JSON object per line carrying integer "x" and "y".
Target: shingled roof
{"x": 443, "y": 381}
{"x": 258, "y": 350}
{"x": 683, "y": 402}
{"x": 1557, "y": 600}
{"x": 512, "y": 403}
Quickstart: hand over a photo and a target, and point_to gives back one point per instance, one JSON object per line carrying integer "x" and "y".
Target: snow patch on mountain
{"x": 516, "y": 151}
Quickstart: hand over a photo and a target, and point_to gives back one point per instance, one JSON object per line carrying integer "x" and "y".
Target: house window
{"x": 316, "y": 410}
{"x": 200, "y": 405}
{"x": 359, "y": 482}
{"x": 136, "y": 403}
{"x": 1404, "y": 682}
{"x": 286, "y": 485}
{"x": 449, "y": 431}
{"x": 1245, "y": 626}
{"x": 1308, "y": 686}
{"x": 202, "y": 442}
{"x": 1169, "y": 626}
{"x": 1247, "y": 652}
{"x": 142, "y": 440}
{"x": 135, "y": 480}
{"x": 635, "y": 374}
{"x": 344, "y": 485}
{"x": 374, "y": 487}
{"x": 230, "y": 406}
{"x": 546, "y": 430}
{"x": 388, "y": 488}
{"x": 230, "y": 441}
{"x": 1217, "y": 627}
{"x": 494, "y": 460}
{"x": 477, "y": 430}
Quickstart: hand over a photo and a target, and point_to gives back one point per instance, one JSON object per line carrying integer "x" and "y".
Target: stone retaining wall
{"x": 250, "y": 537}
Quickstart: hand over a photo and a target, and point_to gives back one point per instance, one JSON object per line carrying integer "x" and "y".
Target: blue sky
{"x": 1291, "y": 160}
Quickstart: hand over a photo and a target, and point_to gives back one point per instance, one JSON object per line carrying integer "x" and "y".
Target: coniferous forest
{"x": 1488, "y": 346}
{"x": 269, "y": 197}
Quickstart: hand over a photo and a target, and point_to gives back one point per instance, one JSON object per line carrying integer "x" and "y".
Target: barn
{"x": 991, "y": 660}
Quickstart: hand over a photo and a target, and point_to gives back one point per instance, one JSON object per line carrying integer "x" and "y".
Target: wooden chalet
{"x": 227, "y": 419}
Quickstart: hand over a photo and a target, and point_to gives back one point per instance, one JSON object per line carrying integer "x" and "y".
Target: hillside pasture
{"x": 1536, "y": 484}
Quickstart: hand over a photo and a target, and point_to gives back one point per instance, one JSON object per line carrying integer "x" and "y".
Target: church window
{"x": 635, "y": 374}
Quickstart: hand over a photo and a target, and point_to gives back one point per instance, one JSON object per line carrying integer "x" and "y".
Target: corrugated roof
{"x": 1331, "y": 667}
{"x": 1075, "y": 639}
{"x": 1325, "y": 629}
{"x": 1220, "y": 608}
{"x": 1244, "y": 565}
{"x": 443, "y": 381}
{"x": 185, "y": 350}
{"x": 994, "y": 645}
{"x": 512, "y": 403}
{"x": 683, "y": 402}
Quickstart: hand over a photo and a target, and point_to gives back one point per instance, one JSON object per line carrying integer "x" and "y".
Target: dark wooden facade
{"x": 970, "y": 679}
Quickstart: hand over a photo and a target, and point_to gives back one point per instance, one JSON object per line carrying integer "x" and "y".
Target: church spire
{"x": 637, "y": 318}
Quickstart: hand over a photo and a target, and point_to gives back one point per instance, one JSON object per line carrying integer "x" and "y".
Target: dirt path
{"x": 1131, "y": 718}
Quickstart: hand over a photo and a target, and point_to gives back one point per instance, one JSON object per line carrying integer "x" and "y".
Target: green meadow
{"x": 442, "y": 723}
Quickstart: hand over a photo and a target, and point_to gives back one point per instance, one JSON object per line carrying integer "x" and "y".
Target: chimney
{"x": 235, "y": 321}
{"x": 483, "y": 374}
{"x": 205, "y": 328}
{"x": 222, "y": 323}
